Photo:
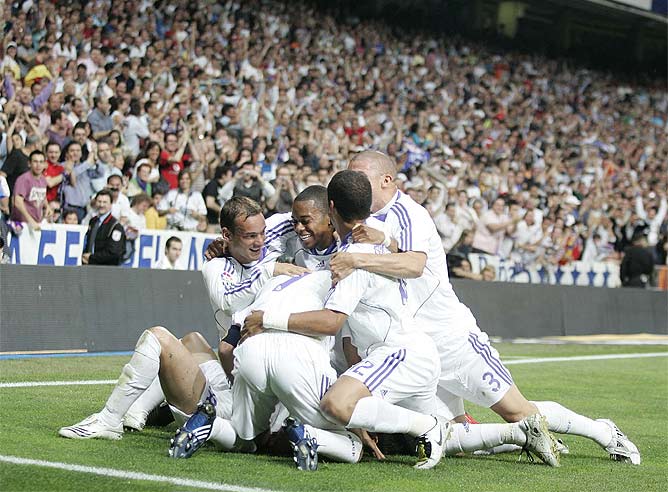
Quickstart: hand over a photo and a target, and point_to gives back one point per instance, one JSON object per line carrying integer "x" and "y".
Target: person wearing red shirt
{"x": 53, "y": 172}
{"x": 174, "y": 159}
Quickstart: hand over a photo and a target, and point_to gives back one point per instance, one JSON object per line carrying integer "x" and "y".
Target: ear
{"x": 226, "y": 233}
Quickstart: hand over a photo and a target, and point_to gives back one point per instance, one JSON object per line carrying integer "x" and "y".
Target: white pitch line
{"x": 127, "y": 475}
{"x": 32, "y": 384}
{"x": 586, "y": 357}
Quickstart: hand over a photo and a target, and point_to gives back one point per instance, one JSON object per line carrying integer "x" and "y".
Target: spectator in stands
{"x": 29, "y": 193}
{"x": 183, "y": 207}
{"x": 169, "y": 261}
{"x": 120, "y": 204}
{"x": 213, "y": 196}
{"x": 493, "y": 227}
{"x": 285, "y": 191}
{"x": 249, "y": 183}
{"x": 153, "y": 218}
{"x": 637, "y": 265}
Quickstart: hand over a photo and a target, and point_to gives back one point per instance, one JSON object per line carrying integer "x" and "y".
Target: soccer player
{"x": 292, "y": 369}
{"x": 189, "y": 374}
{"x": 400, "y": 363}
{"x": 470, "y": 366}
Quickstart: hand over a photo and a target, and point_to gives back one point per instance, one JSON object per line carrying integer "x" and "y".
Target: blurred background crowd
{"x": 176, "y": 107}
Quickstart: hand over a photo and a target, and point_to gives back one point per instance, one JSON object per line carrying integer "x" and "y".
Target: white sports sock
{"x": 222, "y": 434}
{"x": 473, "y": 437}
{"x": 147, "y": 401}
{"x": 136, "y": 377}
{"x": 376, "y": 415}
{"x": 564, "y": 421}
{"x": 342, "y": 446}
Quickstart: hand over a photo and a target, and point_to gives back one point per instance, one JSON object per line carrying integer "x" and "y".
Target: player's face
{"x": 246, "y": 242}
{"x": 311, "y": 225}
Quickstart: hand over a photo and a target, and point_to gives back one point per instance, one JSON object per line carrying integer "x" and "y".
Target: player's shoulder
{"x": 405, "y": 206}
{"x": 278, "y": 225}
{"x": 363, "y": 248}
{"x": 219, "y": 266}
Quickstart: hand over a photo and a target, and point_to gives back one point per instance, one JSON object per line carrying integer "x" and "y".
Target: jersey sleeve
{"x": 225, "y": 292}
{"x": 409, "y": 231}
{"x": 278, "y": 233}
{"x": 346, "y": 295}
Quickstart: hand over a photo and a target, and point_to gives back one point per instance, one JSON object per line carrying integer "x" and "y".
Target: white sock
{"x": 466, "y": 438}
{"x": 147, "y": 401}
{"x": 222, "y": 434}
{"x": 564, "y": 421}
{"x": 136, "y": 377}
{"x": 342, "y": 446}
{"x": 376, "y": 415}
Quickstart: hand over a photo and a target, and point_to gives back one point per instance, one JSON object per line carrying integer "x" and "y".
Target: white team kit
{"x": 399, "y": 362}
{"x": 470, "y": 366}
{"x": 280, "y": 366}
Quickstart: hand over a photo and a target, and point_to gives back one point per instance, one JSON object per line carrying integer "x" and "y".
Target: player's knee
{"x": 164, "y": 337}
{"x": 225, "y": 350}
{"x": 195, "y": 342}
{"x": 336, "y": 409}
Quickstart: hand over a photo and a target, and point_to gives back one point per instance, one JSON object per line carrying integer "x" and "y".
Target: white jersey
{"x": 432, "y": 300}
{"x": 375, "y": 306}
{"x": 280, "y": 293}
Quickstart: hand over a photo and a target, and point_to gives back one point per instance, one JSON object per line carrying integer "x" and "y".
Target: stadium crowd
{"x": 176, "y": 108}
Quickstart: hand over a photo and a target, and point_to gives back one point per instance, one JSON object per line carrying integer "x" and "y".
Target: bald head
{"x": 376, "y": 161}
{"x": 381, "y": 171}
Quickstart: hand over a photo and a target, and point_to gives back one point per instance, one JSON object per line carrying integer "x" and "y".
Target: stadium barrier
{"x": 94, "y": 308}
{"x": 62, "y": 245}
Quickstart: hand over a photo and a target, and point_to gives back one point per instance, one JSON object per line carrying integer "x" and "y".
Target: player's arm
{"x": 324, "y": 322}
{"x": 409, "y": 264}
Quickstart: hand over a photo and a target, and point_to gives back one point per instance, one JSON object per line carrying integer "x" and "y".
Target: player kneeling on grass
{"x": 190, "y": 376}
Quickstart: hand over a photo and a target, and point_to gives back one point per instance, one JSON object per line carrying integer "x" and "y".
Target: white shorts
{"x": 404, "y": 376}
{"x": 471, "y": 370}
{"x": 216, "y": 382}
{"x": 281, "y": 367}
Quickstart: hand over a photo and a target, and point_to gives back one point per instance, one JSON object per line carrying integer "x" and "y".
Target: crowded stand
{"x": 175, "y": 108}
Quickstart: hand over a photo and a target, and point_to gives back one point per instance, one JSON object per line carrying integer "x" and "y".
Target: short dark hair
{"x": 171, "y": 240}
{"x": 351, "y": 193}
{"x": 36, "y": 152}
{"x": 316, "y": 193}
{"x": 238, "y": 206}
{"x": 104, "y": 192}
{"x": 140, "y": 198}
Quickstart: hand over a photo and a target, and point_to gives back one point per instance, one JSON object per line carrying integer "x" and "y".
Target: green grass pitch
{"x": 633, "y": 392}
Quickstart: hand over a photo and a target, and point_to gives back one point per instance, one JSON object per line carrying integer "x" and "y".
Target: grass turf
{"x": 632, "y": 392}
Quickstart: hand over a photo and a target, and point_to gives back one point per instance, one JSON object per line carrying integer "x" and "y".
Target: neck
{"x": 325, "y": 243}
{"x": 344, "y": 228}
{"x": 385, "y": 197}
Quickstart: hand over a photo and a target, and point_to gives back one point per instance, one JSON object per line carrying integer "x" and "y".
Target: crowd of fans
{"x": 176, "y": 107}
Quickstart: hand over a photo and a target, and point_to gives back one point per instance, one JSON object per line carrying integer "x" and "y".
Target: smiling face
{"x": 246, "y": 242}
{"x": 312, "y": 225}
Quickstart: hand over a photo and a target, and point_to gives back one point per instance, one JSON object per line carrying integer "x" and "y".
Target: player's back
{"x": 299, "y": 294}
{"x": 376, "y": 307}
{"x": 432, "y": 300}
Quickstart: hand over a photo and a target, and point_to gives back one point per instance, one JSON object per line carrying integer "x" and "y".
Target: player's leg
{"x": 136, "y": 377}
{"x": 300, "y": 380}
{"x": 350, "y": 402}
{"x": 135, "y": 417}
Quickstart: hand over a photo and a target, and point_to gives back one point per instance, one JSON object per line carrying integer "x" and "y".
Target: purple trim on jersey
{"x": 407, "y": 226}
{"x": 495, "y": 364}
{"x": 290, "y": 281}
{"x": 325, "y": 383}
{"x": 380, "y": 217}
{"x": 278, "y": 231}
{"x": 245, "y": 284}
{"x": 390, "y": 363}
{"x": 263, "y": 253}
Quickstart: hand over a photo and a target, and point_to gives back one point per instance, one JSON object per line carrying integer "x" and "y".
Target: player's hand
{"x": 289, "y": 269}
{"x": 252, "y": 325}
{"x": 216, "y": 249}
{"x": 341, "y": 265}
{"x": 362, "y": 233}
{"x": 369, "y": 442}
